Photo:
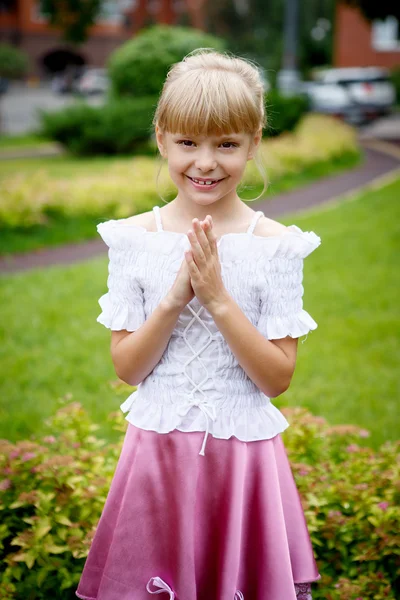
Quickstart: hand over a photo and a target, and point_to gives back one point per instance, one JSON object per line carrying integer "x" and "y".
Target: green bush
{"x": 118, "y": 127}
{"x": 13, "y": 62}
{"x": 283, "y": 112}
{"x": 123, "y": 124}
{"x": 52, "y": 492}
{"x": 139, "y": 67}
{"x": 395, "y": 77}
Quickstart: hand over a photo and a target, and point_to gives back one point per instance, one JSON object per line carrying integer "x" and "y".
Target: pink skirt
{"x": 225, "y": 526}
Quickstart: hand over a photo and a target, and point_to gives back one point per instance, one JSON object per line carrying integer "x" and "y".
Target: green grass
{"x": 22, "y": 141}
{"x": 347, "y": 369}
{"x": 60, "y": 230}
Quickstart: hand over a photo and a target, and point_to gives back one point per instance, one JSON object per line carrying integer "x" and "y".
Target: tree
{"x": 253, "y": 28}
{"x": 73, "y": 17}
{"x": 372, "y": 9}
{"x": 13, "y": 62}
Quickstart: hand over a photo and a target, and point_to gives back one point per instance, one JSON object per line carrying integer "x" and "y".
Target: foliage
{"x": 52, "y": 493}
{"x": 395, "y": 77}
{"x": 255, "y": 29}
{"x": 350, "y": 495}
{"x": 32, "y": 198}
{"x": 72, "y": 17}
{"x": 139, "y": 67}
{"x": 376, "y": 10}
{"x": 53, "y": 489}
{"x": 122, "y": 123}
{"x": 115, "y": 128}
{"x": 13, "y": 62}
{"x": 283, "y": 112}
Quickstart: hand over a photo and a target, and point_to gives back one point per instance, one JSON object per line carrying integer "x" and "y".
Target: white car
{"x": 357, "y": 94}
{"x": 93, "y": 81}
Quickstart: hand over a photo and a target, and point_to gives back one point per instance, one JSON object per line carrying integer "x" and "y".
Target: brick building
{"x": 359, "y": 43}
{"x": 22, "y": 24}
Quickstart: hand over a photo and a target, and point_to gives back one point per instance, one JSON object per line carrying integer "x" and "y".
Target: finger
{"x": 193, "y": 270}
{"x": 202, "y": 237}
{"x": 212, "y": 238}
{"x": 202, "y": 240}
{"x": 197, "y": 250}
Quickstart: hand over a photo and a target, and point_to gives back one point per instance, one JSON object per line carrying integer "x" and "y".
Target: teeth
{"x": 208, "y": 182}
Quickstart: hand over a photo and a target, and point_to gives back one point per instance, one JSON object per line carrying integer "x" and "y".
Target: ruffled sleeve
{"x": 281, "y": 311}
{"x": 123, "y": 305}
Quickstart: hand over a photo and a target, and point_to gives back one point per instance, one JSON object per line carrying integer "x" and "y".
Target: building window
{"x": 112, "y": 11}
{"x": 386, "y": 35}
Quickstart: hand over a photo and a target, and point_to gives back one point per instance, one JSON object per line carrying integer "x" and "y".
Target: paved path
{"x": 382, "y": 158}
{"x": 38, "y": 151}
{"x": 21, "y": 104}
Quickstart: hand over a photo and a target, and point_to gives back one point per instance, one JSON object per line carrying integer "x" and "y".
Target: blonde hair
{"x": 212, "y": 93}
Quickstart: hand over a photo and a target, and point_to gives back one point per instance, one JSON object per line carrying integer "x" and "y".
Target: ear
{"x": 255, "y": 142}
{"x": 161, "y": 142}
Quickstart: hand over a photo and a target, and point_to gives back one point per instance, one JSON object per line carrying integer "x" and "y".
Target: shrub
{"x": 118, "y": 127}
{"x": 52, "y": 492}
{"x": 139, "y": 67}
{"x": 395, "y": 77}
{"x": 122, "y": 124}
{"x": 13, "y": 62}
{"x": 350, "y": 495}
{"x": 283, "y": 112}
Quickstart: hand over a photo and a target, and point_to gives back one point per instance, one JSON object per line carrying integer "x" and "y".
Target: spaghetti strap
{"x": 254, "y": 220}
{"x": 157, "y": 215}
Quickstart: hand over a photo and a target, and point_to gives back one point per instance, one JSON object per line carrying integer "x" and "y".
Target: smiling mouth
{"x": 205, "y": 182}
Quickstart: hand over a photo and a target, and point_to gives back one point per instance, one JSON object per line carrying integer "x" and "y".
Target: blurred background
{"x": 51, "y": 51}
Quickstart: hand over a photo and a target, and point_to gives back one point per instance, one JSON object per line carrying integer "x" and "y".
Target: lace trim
{"x": 303, "y": 591}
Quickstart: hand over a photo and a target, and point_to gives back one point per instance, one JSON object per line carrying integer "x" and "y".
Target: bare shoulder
{"x": 145, "y": 219}
{"x": 267, "y": 227}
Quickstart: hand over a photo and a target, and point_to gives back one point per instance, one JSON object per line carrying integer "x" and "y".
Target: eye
{"x": 230, "y": 144}
{"x": 185, "y": 143}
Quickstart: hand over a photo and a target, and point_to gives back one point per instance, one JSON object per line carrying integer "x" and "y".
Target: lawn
{"x": 347, "y": 369}
{"x": 26, "y": 140}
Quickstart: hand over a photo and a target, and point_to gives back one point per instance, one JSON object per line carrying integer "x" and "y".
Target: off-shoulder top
{"x": 198, "y": 384}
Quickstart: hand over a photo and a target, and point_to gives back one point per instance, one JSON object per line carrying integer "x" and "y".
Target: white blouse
{"x": 198, "y": 384}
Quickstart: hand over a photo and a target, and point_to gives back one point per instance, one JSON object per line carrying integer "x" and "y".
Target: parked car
{"x": 65, "y": 82}
{"x": 93, "y": 81}
{"x": 4, "y": 84}
{"x": 356, "y": 94}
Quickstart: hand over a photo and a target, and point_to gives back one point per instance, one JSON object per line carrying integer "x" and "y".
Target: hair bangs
{"x": 208, "y": 103}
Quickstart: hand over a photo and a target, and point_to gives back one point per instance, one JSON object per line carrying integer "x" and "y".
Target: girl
{"x": 205, "y": 308}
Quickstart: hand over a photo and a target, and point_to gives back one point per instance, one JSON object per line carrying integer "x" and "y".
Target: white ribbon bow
{"x": 164, "y": 587}
{"x": 207, "y": 409}
{"x": 238, "y": 596}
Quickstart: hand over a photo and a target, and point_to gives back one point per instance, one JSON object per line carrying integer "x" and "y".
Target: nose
{"x": 205, "y": 161}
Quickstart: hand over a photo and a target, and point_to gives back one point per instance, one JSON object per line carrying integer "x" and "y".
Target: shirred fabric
{"x": 198, "y": 384}
{"x": 282, "y": 312}
{"x": 122, "y": 306}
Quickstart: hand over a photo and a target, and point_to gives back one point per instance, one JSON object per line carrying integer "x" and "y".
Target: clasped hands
{"x": 204, "y": 266}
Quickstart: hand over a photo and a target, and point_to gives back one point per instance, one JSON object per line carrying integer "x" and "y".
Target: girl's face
{"x": 206, "y": 169}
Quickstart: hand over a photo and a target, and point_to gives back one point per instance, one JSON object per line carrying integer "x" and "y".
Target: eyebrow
{"x": 226, "y": 136}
